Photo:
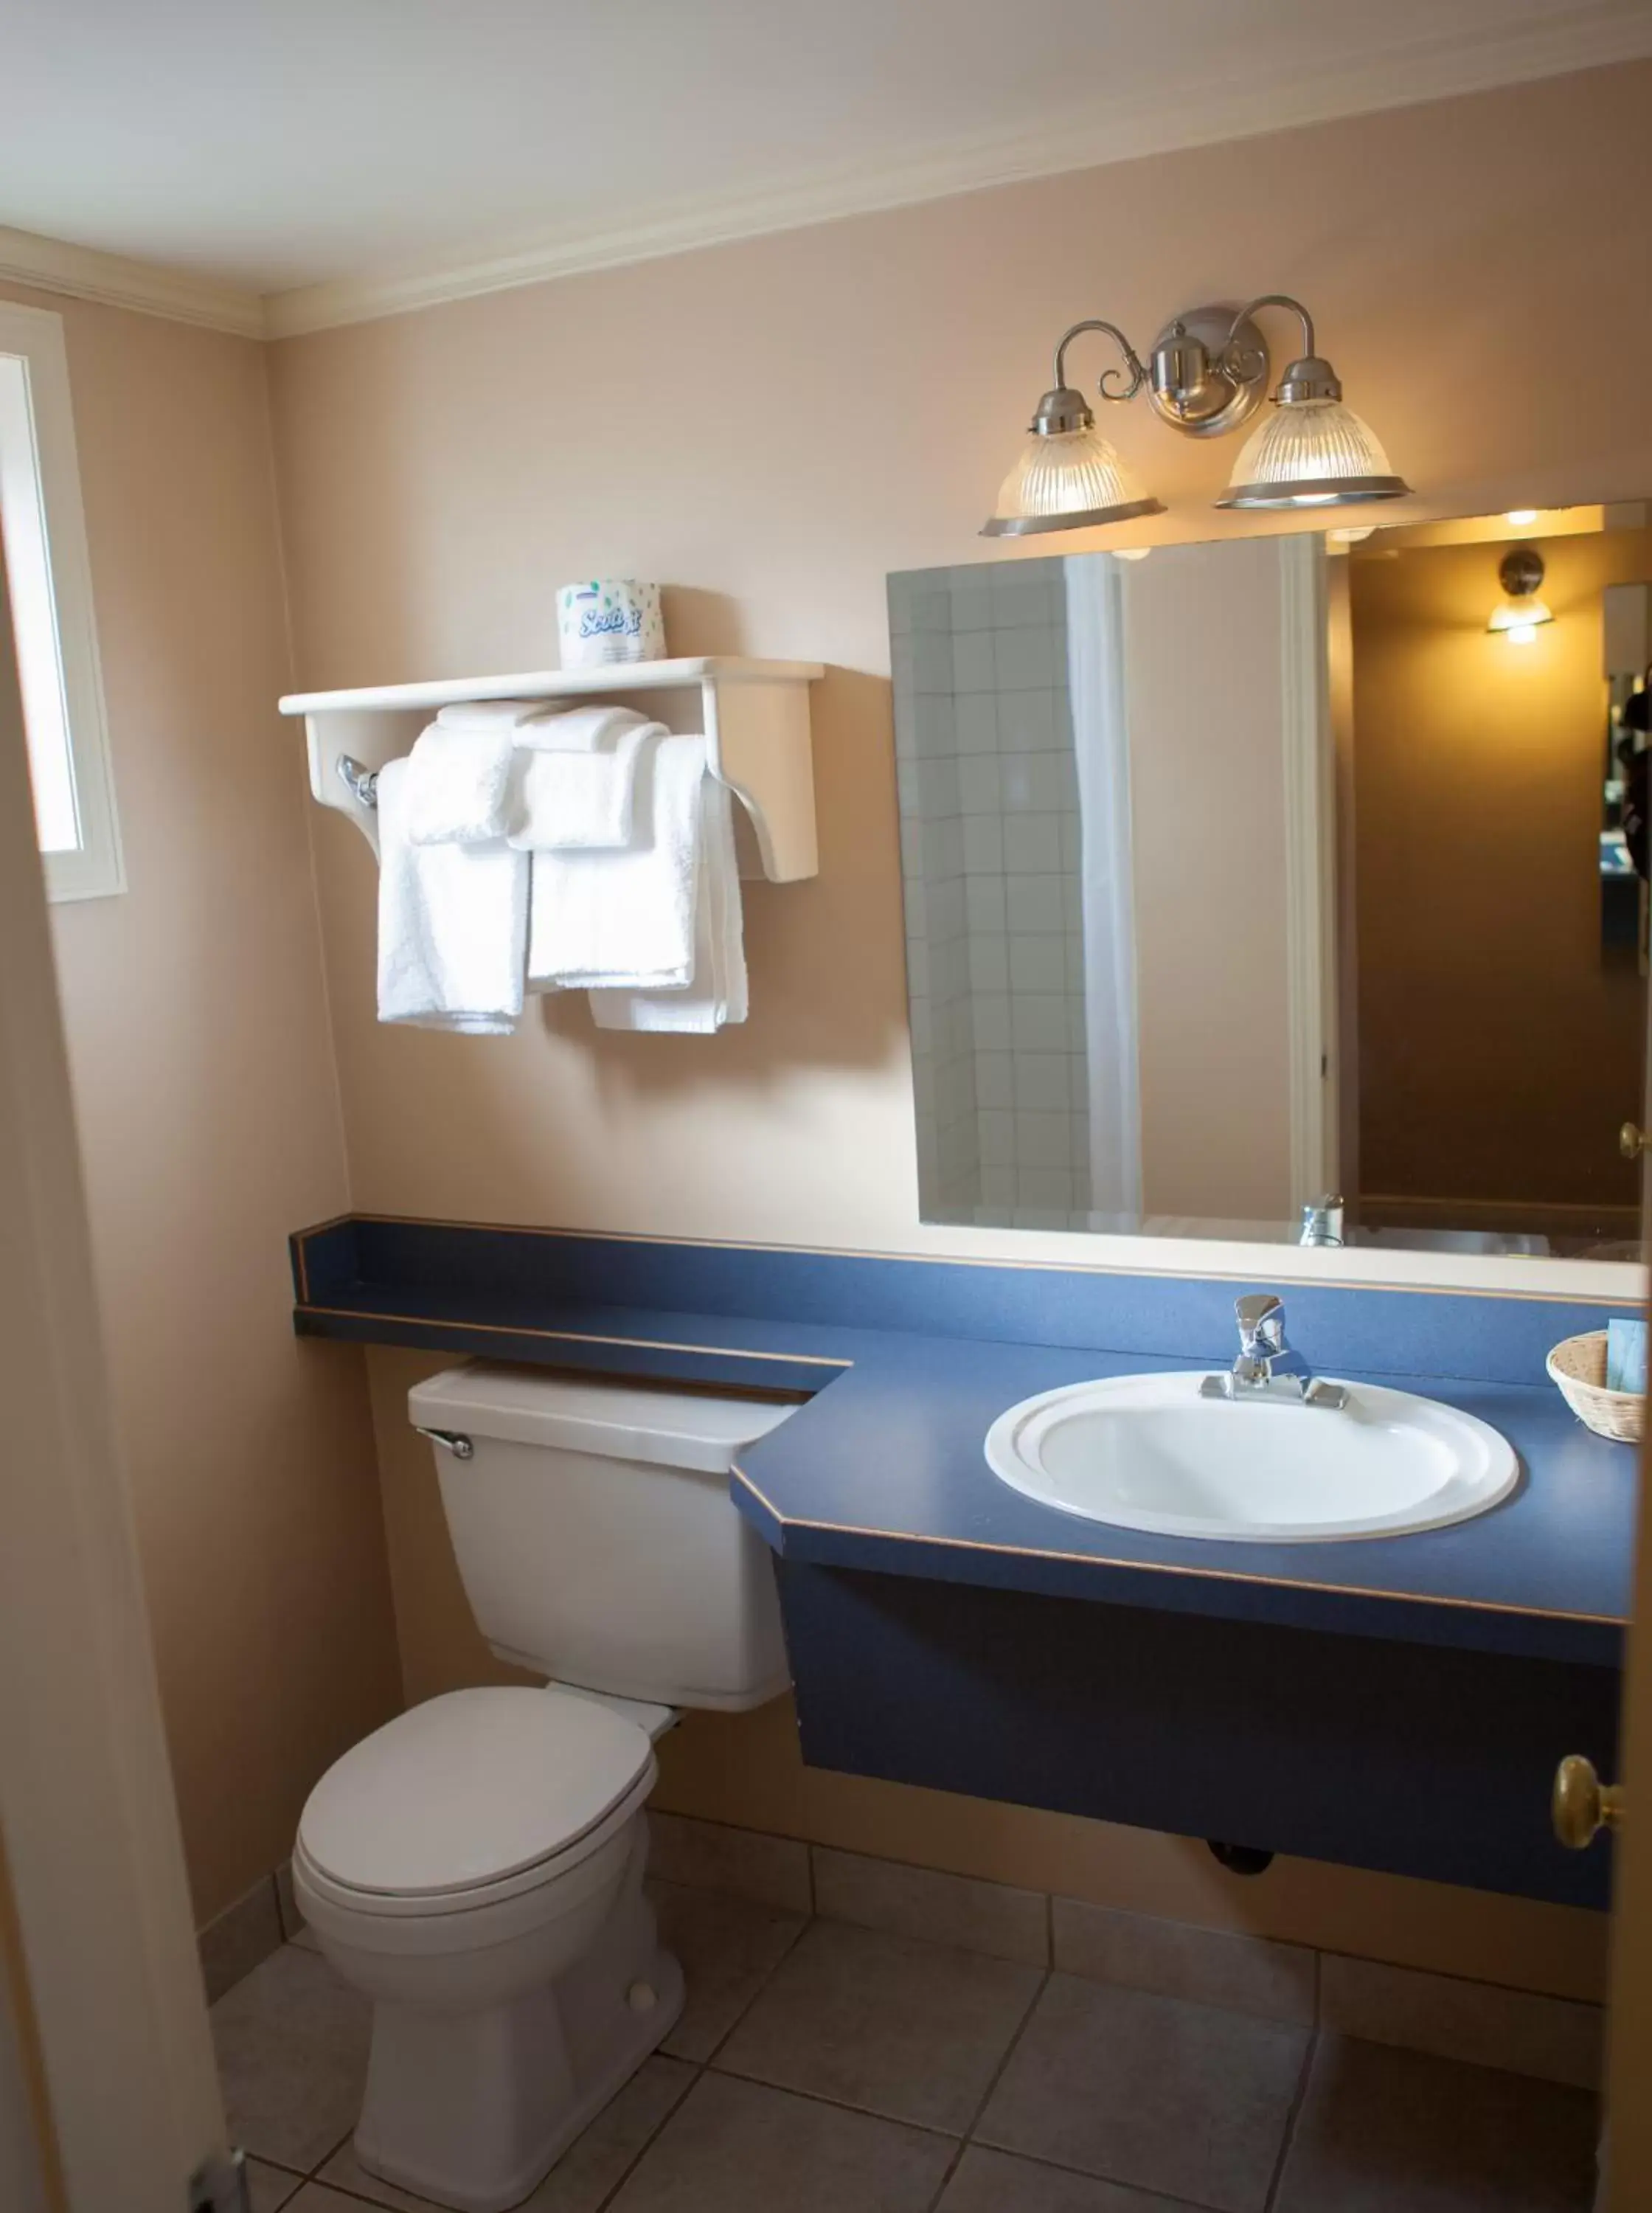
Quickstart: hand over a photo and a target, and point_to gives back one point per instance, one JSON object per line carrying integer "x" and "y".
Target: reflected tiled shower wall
{"x": 990, "y": 847}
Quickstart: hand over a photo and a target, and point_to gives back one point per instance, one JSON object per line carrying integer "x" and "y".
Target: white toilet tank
{"x": 596, "y": 1538}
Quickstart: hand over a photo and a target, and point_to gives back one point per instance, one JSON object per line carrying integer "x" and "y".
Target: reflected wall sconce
{"x": 1208, "y": 374}
{"x": 1519, "y": 614}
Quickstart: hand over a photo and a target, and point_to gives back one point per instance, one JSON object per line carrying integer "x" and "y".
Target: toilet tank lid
{"x": 672, "y": 1429}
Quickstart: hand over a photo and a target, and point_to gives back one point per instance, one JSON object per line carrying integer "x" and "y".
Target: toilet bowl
{"x": 475, "y": 1868}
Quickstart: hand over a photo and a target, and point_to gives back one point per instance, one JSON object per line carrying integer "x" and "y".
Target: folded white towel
{"x": 567, "y": 800}
{"x": 492, "y": 714}
{"x": 453, "y": 925}
{"x": 458, "y": 786}
{"x": 627, "y": 917}
{"x": 716, "y": 994}
{"x": 579, "y": 729}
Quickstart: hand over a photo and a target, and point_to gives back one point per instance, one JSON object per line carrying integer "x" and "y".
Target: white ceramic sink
{"x": 1147, "y": 1452}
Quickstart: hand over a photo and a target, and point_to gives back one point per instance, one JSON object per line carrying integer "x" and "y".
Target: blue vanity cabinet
{"x": 1412, "y": 1758}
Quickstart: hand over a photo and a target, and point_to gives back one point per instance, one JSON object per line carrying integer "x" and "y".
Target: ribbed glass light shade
{"x": 1312, "y": 453}
{"x": 1520, "y": 618}
{"x": 1064, "y": 480}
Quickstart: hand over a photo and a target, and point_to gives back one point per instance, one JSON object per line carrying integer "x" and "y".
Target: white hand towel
{"x": 458, "y": 785}
{"x": 579, "y": 729}
{"x": 627, "y": 917}
{"x": 573, "y": 799}
{"x": 716, "y": 992}
{"x": 453, "y": 925}
{"x": 492, "y": 714}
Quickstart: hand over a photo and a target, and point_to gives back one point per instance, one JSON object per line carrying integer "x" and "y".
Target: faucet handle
{"x": 1261, "y": 1319}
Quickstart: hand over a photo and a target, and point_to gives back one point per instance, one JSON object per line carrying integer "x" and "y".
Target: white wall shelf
{"x": 755, "y": 716}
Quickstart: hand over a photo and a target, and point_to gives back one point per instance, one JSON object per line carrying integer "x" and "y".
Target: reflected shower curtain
{"x": 1095, "y": 677}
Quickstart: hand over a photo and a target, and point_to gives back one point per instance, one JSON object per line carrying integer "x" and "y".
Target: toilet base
{"x": 473, "y": 2108}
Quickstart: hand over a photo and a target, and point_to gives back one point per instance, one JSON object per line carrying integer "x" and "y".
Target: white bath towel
{"x": 716, "y": 993}
{"x": 453, "y": 925}
{"x": 626, "y": 917}
{"x": 568, "y": 799}
{"x": 493, "y": 714}
{"x": 458, "y": 786}
{"x": 579, "y": 729}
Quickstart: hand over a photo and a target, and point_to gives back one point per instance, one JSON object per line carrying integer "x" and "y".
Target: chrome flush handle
{"x": 450, "y": 1441}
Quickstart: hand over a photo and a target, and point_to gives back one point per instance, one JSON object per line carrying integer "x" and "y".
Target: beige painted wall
{"x": 770, "y": 427}
{"x": 207, "y": 1106}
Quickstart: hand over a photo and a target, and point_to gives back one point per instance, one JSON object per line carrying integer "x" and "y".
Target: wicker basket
{"x": 1578, "y": 1366}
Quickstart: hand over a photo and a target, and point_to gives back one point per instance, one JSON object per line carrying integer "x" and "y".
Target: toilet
{"x": 475, "y": 1868}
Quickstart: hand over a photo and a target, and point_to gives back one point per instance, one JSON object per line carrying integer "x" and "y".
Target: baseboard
{"x": 245, "y": 1934}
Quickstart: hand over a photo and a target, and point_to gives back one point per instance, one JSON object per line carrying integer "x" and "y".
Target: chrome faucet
{"x": 1322, "y": 1221}
{"x": 1266, "y": 1366}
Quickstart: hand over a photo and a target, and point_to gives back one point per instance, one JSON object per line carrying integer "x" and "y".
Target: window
{"x": 44, "y": 532}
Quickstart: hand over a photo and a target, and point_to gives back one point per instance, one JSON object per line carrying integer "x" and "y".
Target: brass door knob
{"x": 1632, "y": 1141}
{"x": 1583, "y": 1804}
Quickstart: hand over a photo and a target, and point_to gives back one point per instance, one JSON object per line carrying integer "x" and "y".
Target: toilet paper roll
{"x": 609, "y": 619}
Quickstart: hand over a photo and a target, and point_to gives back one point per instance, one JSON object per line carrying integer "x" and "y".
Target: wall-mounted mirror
{"x": 1243, "y": 876}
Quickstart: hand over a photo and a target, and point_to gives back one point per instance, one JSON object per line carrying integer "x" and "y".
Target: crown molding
{"x": 1433, "y": 68}
{"x": 1593, "y": 36}
{"x": 51, "y": 264}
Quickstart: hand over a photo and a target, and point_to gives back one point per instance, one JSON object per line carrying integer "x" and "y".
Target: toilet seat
{"x": 472, "y": 1798}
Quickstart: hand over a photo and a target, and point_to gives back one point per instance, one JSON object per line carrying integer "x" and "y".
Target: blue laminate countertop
{"x": 885, "y": 1469}
{"x": 909, "y": 1363}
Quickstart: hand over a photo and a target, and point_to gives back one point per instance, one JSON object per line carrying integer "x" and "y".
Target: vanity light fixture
{"x": 1315, "y": 452}
{"x": 1519, "y": 614}
{"x": 1208, "y": 374}
{"x": 1521, "y": 518}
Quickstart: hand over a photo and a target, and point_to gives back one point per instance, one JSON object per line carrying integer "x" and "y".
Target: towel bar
{"x": 755, "y": 716}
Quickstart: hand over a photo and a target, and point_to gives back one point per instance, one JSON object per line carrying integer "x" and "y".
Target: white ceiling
{"x": 280, "y": 143}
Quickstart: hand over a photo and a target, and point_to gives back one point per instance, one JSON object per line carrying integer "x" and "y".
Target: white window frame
{"x": 40, "y": 503}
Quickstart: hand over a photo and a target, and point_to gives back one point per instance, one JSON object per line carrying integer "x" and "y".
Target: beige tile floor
{"x": 821, "y": 2068}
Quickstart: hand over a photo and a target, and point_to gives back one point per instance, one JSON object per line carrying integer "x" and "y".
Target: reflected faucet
{"x": 1266, "y": 1366}
{"x": 1322, "y": 1221}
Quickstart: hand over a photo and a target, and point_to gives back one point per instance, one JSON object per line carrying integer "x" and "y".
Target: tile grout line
{"x": 834, "y": 2105}
{"x": 1156, "y": 2199}
{"x": 985, "y": 2098}
{"x": 1287, "y": 2141}
{"x": 1055, "y": 2166}
{"x": 341, "y": 2190}
{"x": 313, "y": 2174}
{"x": 773, "y": 1969}
{"x": 653, "y": 2135}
